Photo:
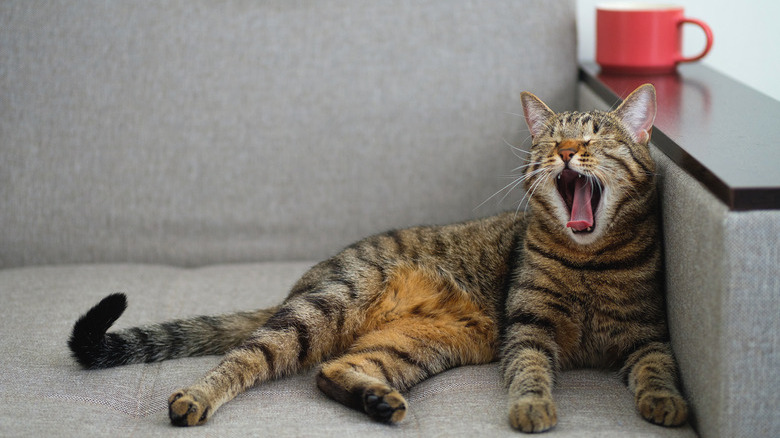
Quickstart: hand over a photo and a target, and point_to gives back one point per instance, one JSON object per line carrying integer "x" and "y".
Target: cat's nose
{"x": 566, "y": 154}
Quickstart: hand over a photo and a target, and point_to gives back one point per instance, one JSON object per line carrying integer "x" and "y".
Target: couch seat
{"x": 43, "y": 390}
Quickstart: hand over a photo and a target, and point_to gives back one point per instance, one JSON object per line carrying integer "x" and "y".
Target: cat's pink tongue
{"x": 581, "y": 211}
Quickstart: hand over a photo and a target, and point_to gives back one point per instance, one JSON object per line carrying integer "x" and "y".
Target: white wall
{"x": 747, "y": 38}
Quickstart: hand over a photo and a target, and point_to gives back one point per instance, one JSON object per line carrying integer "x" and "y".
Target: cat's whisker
{"x": 534, "y": 186}
{"x": 509, "y": 187}
{"x": 544, "y": 179}
{"x": 509, "y": 191}
{"x": 516, "y": 150}
{"x": 524, "y": 166}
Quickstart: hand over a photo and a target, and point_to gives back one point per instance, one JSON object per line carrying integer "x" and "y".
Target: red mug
{"x": 642, "y": 38}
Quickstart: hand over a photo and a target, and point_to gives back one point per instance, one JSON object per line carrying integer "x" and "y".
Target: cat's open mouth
{"x": 581, "y": 198}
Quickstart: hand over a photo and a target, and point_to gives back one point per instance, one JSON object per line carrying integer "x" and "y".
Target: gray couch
{"x": 200, "y": 156}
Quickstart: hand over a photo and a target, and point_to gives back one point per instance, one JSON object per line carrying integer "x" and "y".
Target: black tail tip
{"x": 113, "y": 304}
{"x": 88, "y": 337}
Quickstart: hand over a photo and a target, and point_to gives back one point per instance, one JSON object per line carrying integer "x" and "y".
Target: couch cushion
{"x": 44, "y": 393}
{"x": 195, "y": 132}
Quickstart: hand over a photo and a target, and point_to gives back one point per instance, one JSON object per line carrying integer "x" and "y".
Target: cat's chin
{"x": 585, "y": 237}
{"x": 588, "y": 230}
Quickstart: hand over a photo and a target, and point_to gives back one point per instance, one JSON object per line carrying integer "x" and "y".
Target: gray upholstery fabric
{"x": 722, "y": 293}
{"x": 723, "y": 279}
{"x": 751, "y": 323}
{"x": 195, "y": 132}
{"x": 44, "y": 393}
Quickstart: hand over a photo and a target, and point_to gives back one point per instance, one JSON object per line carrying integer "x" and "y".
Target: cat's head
{"x": 589, "y": 171}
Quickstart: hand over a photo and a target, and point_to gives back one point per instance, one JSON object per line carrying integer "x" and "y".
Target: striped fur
{"x": 540, "y": 292}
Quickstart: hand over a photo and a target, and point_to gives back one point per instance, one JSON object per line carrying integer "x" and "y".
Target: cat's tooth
{"x": 559, "y": 176}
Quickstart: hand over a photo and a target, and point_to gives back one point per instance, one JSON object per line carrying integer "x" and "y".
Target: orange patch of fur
{"x": 419, "y": 304}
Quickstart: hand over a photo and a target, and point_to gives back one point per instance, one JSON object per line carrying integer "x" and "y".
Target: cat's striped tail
{"x": 93, "y": 347}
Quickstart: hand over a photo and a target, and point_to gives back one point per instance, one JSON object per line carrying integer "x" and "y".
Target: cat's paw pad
{"x": 384, "y": 404}
{"x": 533, "y": 414}
{"x": 186, "y": 408}
{"x": 663, "y": 408}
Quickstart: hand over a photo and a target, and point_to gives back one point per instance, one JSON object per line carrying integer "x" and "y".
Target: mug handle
{"x": 707, "y": 33}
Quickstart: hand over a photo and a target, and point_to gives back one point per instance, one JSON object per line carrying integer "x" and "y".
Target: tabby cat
{"x": 574, "y": 282}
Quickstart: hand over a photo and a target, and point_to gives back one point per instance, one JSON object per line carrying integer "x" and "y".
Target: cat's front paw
{"x": 663, "y": 408}
{"x": 533, "y": 414}
{"x": 187, "y": 408}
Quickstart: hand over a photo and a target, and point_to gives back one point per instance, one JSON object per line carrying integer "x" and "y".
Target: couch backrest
{"x": 195, "y": 132}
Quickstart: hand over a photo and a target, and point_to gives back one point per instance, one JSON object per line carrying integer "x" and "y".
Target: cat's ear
{"x": 536, "y": 113}
{"x": 637, "y": 113}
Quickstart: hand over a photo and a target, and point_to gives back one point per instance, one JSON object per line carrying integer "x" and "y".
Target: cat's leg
{"x": 295, "y": 337}
{"x": 267, "y": 355}
{"x": 383, "y": 363}
{"x": 319, "y": 319}
{"x": 534, "y": 337}
{"x": 419, "y": 327}
{"x": 651, "y": 374}
{"x": 529, "y": 371}
{"x": 362, "y": 381}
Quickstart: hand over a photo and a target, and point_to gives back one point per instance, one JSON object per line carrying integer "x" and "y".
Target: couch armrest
{"x": 721, "y": 207}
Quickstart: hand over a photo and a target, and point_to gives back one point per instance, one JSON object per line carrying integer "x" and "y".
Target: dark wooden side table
{"x": 723, "y": 133}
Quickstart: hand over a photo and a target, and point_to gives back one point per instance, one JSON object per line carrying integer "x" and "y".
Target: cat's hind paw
{"x": 384, "y": 404}
{"x": 663, "y": 408}
{"x": 186, "y": 408}
{"x": 533, "y": 414}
